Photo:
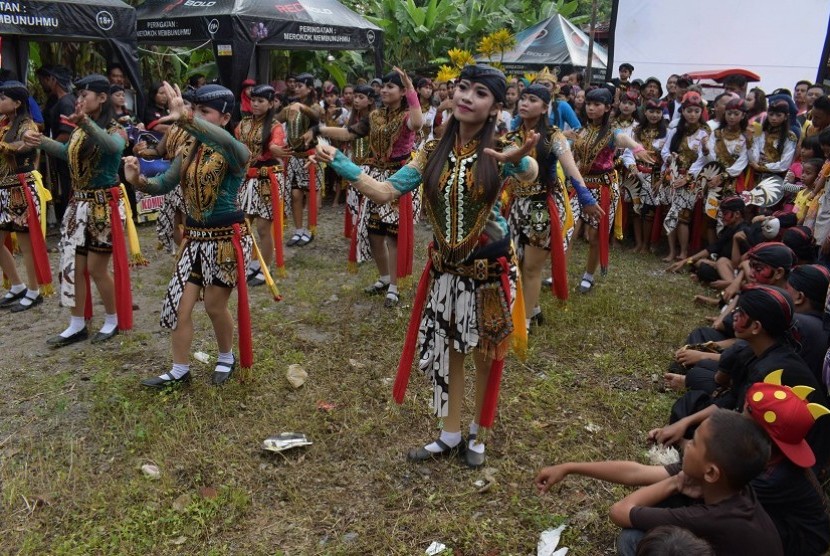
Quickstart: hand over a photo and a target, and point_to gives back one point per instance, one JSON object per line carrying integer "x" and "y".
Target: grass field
{"x": 75, "y": 427}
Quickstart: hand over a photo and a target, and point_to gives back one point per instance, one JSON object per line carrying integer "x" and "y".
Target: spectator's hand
{"x": 677, "y": 266}
{"x": 549, "y": 476}
{"x": 139, "y": 148}
{"x": 132, "y": 171}
{"x": 668, "y": 435}
{"x": 688, "y": 486}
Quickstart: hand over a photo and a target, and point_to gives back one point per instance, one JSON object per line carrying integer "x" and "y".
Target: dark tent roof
{"x": 552, "y": 42}
{"x": 237, "y": 27}
{"x": 111, "y": 21}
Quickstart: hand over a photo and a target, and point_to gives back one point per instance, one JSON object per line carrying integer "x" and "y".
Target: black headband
{"x": 488, "y": 76}
{"x": 539, "y": 91}
{"x": 811, "y": 280}
{"x": 770, "y": 306}
{"x": 15, "y": 90}
{"x": 364, "y": 90}
{"x": 95, "y": 82}
{"x": 215, "y": 96}
{"x": 306, "y": 78}
{"x": 263, "y": 91}
{"x": 600, "y": 94}
{"x": 774, "y": 254}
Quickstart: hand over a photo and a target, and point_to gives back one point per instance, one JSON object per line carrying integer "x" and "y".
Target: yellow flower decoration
{"x": 461, "y": 58}
{"x": 445, "y": 73}
{"x": 504, "y": 40}
{"x": 531, "y": 77}
{"x": 487, "y": 47}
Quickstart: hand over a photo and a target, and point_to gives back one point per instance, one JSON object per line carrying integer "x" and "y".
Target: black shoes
{"x": 422, "y": 454}
{"x": 473, "y": 459}
{"x": 165, "y": 380}
{"x": 221, "y": 377}
{"x": 19, "y": 307}
{"x": 392, "y": 300}
{"x": 9, "y": 302}
{"x": 377, "y": 288}
{"x": 61, "y": 341}
{"x": 103, "y": 337}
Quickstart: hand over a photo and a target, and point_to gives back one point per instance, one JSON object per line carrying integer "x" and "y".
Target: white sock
{"x": 474, "y": 428}
{"x": 76, "y": 324}
{"x": 536, "y": 310}
{"x": 527, "y": 323}
{"x": 588, "y": 277}
{"x": 226, "y": 358}
{"x": 16, "y": 288}
{"x": 30, "y": 297}
{"x": 385, "y": 279}
{"x": 451, "y": 439}
{"x": 393, "y": 288}
{"x": 110, "y": 324}
{"x": 178, "y": 370}
{"x": 298, "y": 231}
{"x": 476, "y": 446}
{"x": 253, "y": 266}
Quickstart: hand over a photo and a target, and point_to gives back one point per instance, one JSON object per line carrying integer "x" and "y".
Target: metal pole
{"x": 588, "y": 76}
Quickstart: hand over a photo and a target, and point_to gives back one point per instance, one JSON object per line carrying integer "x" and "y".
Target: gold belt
{"x": 100, "y": 196}
{"x": 524, "y": 189}
{"x": 10, "y": 181}
{"x": 212, "y": 234}
{"x": 598, "y": 180}
{"x": 478, "y": 269}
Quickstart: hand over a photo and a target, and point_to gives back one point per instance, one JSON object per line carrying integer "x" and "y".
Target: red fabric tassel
{"x": 120, "y": 265}
{"x": 491, "y": 394}
{"x": 88, "y": 301}
{"x": 657, "y": 224}
{"x": 312, "y": 197}
{"x": 347, "y": 223}
{"x": 411, "y": 338}
{"x": 276, "y": 225}
{"x": 39, "y": 253}
{"x": 405, "y": 236}
{"x": 352, "y": 260}
{"x": 243, "y": 311}
{"x": 558, "y": 265}
{"x": 604, "y": 226}
{"x": 697, "y": 227}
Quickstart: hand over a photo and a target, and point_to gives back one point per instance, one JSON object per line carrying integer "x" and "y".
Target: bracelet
{"x": 412, "y": 99}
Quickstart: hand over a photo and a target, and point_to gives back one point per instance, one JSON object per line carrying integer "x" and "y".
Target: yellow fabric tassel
{"x": 519, "y": 322}
{"x": 6, "y": 282}
{"x": 15, "y": 244}
{"x": 44, "y": 196}
{"x": 269, "y": 281}
{"x": 47, "y": 290}
{"x": 404, "y": 283}
{"x": 569, "y": 215}
{"x": 618, "y": 223}
{"x": 136, "y": 258}
{"x": 351, "y": 267}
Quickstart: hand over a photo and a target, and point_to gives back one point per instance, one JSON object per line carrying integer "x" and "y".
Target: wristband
{"x": 638, "y": 149}
{"x": 412, "y": 99}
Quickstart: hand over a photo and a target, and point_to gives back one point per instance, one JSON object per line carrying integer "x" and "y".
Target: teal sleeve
{"x": 406, "y": 179}
{"x": 55, "y": 148}
{"x": 236, "y": 154}
{"x": 511, "y": 169}
{"x": 110, "y": 143}
{"x": 345, "y": 167}
{"x": 166, "y": 182}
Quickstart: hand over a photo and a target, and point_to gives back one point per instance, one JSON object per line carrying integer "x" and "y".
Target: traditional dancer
{"x": 684, "y": 152}
{"x": 92, "y": 229}
{"x": 650, "y": 132}
{"x": 21, "y": 202}
{"x": 170, "y": 221}
{"x": 468, "y": 287}
{"x": 774, "y": 148}
{"x": 727, "y": 149}
{"x": 302, "y": 181}
{"x": 217, "y": 244}
{"x": 594, "y": 151}
{"x": 539, "y": 211}
{"x": 260, "y": 198}
{"x": 391, "y": 130}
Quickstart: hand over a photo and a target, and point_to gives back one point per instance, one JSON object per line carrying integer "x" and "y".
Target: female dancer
{"x": 391, "y": 131}
{"x": 774, "y": 148}
{"x": 302, "y": 181}
{"x": 683, "y": 153}
{"x": 538, "y": 210}
{"x": 467, "y": 289}
{"x": 428, "y": 111}
{"x": 594, "y": 151}
{"x": 92, "y": 228}
{"x": 726, "y": 146}
{"x": 651, "y": 134}
{"x": 20, "y": 202}
{"x": 170, "y": 221}
{"x": 217, "y": 244}
{"x": 260, "y": 198}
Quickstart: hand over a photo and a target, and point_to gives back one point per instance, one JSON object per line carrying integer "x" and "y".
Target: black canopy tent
{"x": 111, "y": 21}
{"x": 239, "y": 29}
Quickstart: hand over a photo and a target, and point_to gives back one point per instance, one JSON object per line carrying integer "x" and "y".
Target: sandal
{"x": 305, "y": 239}
{"x": 377, "y": 288}
{"x": 585, "y": 286}
{"x": 221, "y": 377}
{"x": 422, "y": 454}
{"x": 392, "y": 300}
{"x": 473, "y": 459}
{"x": 295, "y": 239}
